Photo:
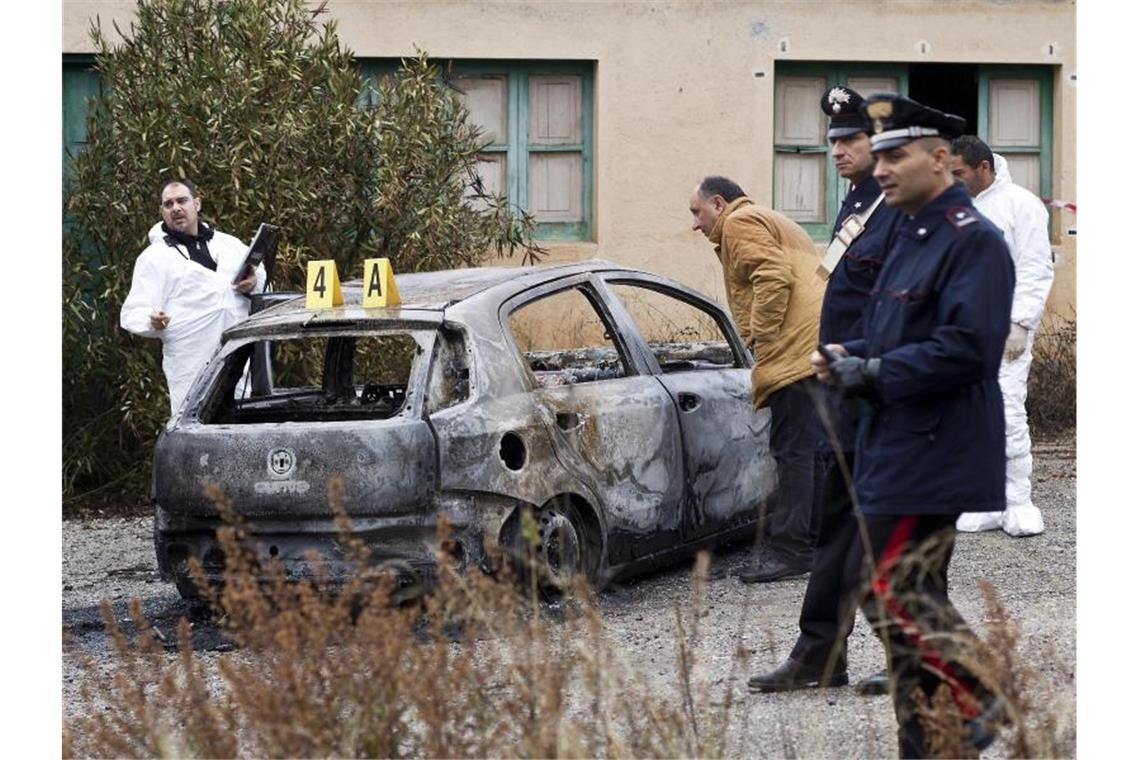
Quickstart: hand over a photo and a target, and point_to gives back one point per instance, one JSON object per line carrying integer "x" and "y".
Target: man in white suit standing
{"x": 1022, "y": 218}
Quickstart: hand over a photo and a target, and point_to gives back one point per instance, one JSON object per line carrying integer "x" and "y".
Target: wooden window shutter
{"x": 554, "y": 118}
{"x": 486, "y": 100}
{"x": 800, "y": 177}
{"x": 1015, "y": 122}
{"x": 555, "y": 110}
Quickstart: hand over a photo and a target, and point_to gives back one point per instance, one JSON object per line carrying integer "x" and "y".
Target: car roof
{"x": 424, "y": 295}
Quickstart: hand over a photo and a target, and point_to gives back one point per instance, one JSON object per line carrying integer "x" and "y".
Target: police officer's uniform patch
{"x": 961, "y": 216}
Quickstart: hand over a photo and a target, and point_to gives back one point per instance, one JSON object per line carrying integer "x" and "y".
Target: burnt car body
{"x": 631, "y": 449}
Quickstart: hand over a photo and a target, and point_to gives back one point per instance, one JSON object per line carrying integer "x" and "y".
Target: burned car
{"x": 611, "y": 404}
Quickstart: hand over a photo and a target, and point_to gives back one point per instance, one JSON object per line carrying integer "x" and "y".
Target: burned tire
{"x": 552, "y": 545}
{"x": 561, "y": 549}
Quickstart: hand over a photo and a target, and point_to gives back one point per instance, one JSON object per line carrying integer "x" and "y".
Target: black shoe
{"x": 871, "y": 686}
{"x": 770, "y": 568}
{"x": 982, "y": 730}
{"x": 792, "y": 675}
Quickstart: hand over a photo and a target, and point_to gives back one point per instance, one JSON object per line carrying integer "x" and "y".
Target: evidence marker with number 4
{"x": 322, "y": 288}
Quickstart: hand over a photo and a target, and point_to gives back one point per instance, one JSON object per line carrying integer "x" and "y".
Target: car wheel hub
{"x": 560, "y": 547}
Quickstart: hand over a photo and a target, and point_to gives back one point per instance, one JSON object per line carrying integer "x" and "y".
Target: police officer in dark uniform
{"x": 851, "y": 265}
{"x": 932, "y": 445}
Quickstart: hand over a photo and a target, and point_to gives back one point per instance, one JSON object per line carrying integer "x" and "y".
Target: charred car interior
{"x": 311, "y": 378}
{"x": 611, "y": 405}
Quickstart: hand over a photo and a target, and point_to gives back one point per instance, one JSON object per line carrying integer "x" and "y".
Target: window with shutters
{"x": 1010, "y": 107}
{"x": 536, "y": 116}
{"x": 806, "y": 186}
{"x": 1017, "y": 121}
{"x": 537, "y": 119}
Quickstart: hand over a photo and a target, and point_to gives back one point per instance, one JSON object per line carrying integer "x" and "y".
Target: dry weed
{"x": 474, "y": 669}
{"x": 1038, "y": 715}
{"x": 1051, "y": 401}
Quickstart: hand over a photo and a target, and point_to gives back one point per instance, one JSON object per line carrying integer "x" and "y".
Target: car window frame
{"x": 415, "y": 403}
{"x": 743, "y": 357}
{"x": 632, "y": 356}
{"x": 463, "y": 333}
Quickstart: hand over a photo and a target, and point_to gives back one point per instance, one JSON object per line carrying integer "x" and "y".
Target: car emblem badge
{"x": 281, "y": 462}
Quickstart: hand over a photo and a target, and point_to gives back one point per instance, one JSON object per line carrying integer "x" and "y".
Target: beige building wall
{"x": 685, "y": 88}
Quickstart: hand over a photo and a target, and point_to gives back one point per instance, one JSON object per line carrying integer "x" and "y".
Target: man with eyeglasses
{"x": 185, "y": 288}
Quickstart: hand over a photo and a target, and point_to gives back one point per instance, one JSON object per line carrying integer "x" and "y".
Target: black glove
{"x": 855, "y": 377}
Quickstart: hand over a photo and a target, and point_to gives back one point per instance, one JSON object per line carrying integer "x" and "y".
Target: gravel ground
{"x": 113, "y": 558}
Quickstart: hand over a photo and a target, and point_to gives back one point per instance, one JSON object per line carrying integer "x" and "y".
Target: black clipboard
{"x": 263, "y": 248}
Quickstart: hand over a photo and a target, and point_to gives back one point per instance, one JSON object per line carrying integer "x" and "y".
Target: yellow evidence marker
{"x": 322, "y": 286}
{"x": 379, "y": 284}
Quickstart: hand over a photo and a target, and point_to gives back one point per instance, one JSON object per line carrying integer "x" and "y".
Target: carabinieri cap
{"x": 842, "y": 105}
{"x": 895, "y": 121}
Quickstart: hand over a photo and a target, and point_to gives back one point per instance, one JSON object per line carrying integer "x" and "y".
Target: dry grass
{"x": 478, "y": 668}
{"x": 1040, "y": 718}
{"x": 1051, "y": 403}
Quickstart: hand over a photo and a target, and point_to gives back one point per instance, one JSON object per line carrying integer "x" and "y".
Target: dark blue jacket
{"x": 934, "y": 443}
{"x": 850, "y": 284}
{"x": 847, "y": 292}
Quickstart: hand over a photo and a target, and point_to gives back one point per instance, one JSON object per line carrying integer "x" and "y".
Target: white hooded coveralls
{"x": 1022, "y": 218}
{"x": 201, "y": 304}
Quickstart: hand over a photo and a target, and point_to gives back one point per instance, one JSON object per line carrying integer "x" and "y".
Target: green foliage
{"x": 260, "y": 106}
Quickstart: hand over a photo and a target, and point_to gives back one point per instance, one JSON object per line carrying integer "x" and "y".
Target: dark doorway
{"x": 949, "y": 87}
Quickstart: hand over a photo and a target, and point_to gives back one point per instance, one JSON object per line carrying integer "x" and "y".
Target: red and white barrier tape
{"x": 1055, "y": 203}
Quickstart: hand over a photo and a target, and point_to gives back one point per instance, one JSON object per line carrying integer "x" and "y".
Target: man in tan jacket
{"x": 774, "y": 295}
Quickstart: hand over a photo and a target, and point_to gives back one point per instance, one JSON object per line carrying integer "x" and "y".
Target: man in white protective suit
{"x": 183, "y": 288}
{"x": 1022, "y": 218}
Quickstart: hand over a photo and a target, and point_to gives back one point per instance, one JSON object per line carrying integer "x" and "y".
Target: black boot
{"x": 982, "y": 730}
{"x": 793, "y": 674}
{"x": 871, "y": 686}
{"x": 773, "y": 567}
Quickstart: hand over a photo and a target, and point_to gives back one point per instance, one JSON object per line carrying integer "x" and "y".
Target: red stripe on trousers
{"x": 880, "y": 585}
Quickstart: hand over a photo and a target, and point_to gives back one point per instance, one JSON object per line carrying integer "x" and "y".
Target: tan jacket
{"x": 773, "y": 291}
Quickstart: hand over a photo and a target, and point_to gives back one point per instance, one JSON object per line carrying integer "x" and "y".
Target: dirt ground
{"x": 113, "y": 558}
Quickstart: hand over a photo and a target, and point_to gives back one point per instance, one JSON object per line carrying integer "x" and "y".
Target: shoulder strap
{"x": 851, "y": 229}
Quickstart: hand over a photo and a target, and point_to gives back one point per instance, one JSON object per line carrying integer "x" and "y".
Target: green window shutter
{"x": 1015, "y": 118}
{"x": 486, "y": 99}
{"x": 80, "y": 84}
{"x": 550, "y": 156}
{"x": 803, "y": 177}
{"x": 541, "y": 161}
{"x": 373, "y": 69}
